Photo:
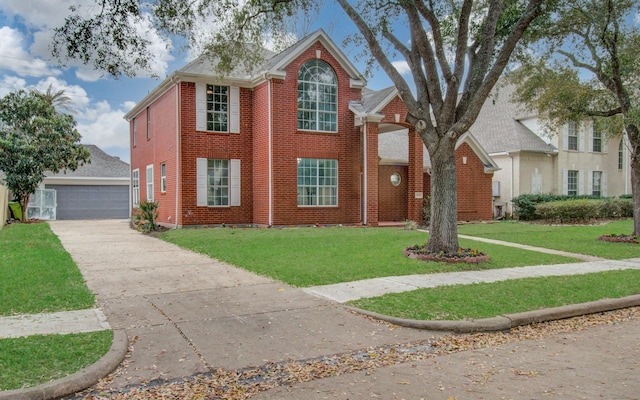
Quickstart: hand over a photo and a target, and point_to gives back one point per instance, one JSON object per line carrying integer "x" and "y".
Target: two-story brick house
{"x": 296, "y": 142}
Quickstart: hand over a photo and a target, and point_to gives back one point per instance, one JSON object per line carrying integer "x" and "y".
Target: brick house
{"x": 296, "y": 142}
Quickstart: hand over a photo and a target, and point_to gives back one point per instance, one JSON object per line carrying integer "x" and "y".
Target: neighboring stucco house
{"x": 578, "y": 160}
{"x": 97, "y": 190}
{"x": 298, "y": 141}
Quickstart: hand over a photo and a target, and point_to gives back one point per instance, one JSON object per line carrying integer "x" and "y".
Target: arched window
{"x": 317, "y": 97}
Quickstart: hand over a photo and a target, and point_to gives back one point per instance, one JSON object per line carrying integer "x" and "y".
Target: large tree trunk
{"x": 443, "y": 229}
{"x": 634, "y": 140}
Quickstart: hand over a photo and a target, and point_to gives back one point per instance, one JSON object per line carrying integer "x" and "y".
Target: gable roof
{"x": 102, "y": 165}
{"x": 393, "y": 148}
{"x": 498, "y": 127}
{"x": 203, "y": 67}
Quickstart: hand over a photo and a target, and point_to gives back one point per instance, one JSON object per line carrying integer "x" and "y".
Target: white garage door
{"x": 91, "y": 201}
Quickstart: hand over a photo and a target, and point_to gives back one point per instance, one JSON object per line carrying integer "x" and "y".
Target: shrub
{"x": 146, "y": 218}
{"x": 525, "y": 205}
{"x": 582, "y": 210}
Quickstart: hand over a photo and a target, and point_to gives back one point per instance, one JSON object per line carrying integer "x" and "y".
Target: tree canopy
{"x": 586, "y": 69}
{"x": 35, "y": 138}
{"x": 456, "y": 51}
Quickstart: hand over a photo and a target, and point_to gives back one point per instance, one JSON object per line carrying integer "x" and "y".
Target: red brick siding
{"x": 261, "y": 154}
{"x": 196, "y": 144}
{"x": 392, "y": 200}
{"x": 159, "y": 148}
{"x": 289, "y": 144}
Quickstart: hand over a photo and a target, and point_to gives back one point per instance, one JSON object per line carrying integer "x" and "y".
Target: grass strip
{"x": 486, "y": 300}
{"x": 319, "y": 256}
{"x": 32, "y": 360}
{"x": 38, "y": 275}
{"x": 581, "y": 239}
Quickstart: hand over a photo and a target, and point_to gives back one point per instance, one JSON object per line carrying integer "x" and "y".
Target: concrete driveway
{"x": 185, "y": 313}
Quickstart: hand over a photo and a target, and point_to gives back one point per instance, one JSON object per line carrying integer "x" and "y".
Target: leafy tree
{"x": 587, "y": 70}
{"x": 456, "y": 51}
{"x": 35, "y": 138}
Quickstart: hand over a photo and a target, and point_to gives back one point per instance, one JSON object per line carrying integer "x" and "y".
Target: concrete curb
{"x": 78, "y": 381}
{"x": 508, "y": 321}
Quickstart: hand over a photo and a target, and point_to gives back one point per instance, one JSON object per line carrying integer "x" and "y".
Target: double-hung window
{"x": 135, "y": 132}
{"x": 596, "y": 183}
{"x": 572, "y": 143}
{"x": 135, "y": 185}
{"x": 163, "y": 177}
{"x": 621, "y": 154}
{"x": 597, "y": 141}
{"x": 148, "y": 123}
{"x": 572, "y": 183}
{"x": 317, "y": 97}
{"x": 150, "y": 182}
{"x": 317, "y": 182}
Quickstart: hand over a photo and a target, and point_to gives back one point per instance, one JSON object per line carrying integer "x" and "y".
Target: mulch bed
{"x": 468, "y": 256}
{"x": 619, "y": 238}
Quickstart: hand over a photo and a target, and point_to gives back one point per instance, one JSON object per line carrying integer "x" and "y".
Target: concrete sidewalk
{"x": 185, "y": 313}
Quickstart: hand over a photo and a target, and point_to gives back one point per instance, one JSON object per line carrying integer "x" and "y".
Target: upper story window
{"x": 217, "y": 108}
{"x": 572, "y": 143}
{"x": 597, "y": 140}
{"x": 317, "y": 97}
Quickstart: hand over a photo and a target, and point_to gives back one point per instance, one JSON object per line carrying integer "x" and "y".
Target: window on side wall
{"x": 135, "y": 133}
{"x": 317, "y": 182}
{"x": 621, "y": 154}
{"x": 150, "y": 182}
{"x": 163, "y": 177}
{"x": 317, "y": 97}
{"x": 148, "y": 123}
{"x": 135, "y": 185}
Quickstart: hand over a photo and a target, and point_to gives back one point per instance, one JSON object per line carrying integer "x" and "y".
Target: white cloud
{"x": 106, "y": 128}
{"x": 402, "y": 67}
{"x": 14, "y": 58}
{"x": 11, "y": 84}
{"x": 39, "y": 14}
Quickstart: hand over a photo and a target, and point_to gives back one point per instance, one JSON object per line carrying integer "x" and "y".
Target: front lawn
{"x": 486, "y": 300}
{"x": 573, "y": 238}
{"x": 39, "y": 276}
{"x": 319, "y": 256}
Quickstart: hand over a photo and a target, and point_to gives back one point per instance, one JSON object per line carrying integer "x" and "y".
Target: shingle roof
{"x": 102, "y": 166}
{"x": 498, "y": 129}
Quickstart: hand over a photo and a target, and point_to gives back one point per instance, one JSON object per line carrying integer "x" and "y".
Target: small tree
{"x": 35, "y": 138}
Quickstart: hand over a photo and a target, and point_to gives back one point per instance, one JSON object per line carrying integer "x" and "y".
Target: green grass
{"x": 319, "y": 256}
{"x": 575, "y": 239}
{"x": 29, "y": 361}
{"x": 38, "y": 275}
{"x": 485, "y": 300}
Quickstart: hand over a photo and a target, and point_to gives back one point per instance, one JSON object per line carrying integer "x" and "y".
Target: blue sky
{"x": 100, "y": 101}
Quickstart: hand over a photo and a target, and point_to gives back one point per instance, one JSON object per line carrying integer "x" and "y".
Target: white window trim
{"x": 201, "y": 108}
{"x": 234, "y": 183}
{"x": 135, "y": 132}
{"x": 317, "y": 110}
{"x": 149, "y": 181}
{"x": 135, "y": 187}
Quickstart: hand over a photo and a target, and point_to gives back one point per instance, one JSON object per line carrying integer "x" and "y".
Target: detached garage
{"x": 99, "y": 190}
